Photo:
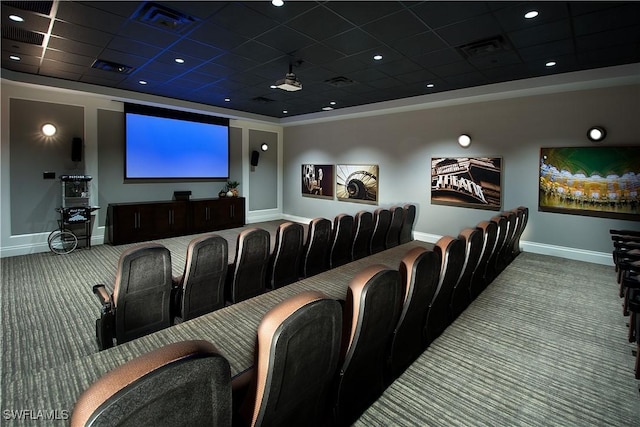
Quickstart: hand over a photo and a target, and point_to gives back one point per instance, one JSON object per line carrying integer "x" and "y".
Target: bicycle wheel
{"x": 62, "y": 241}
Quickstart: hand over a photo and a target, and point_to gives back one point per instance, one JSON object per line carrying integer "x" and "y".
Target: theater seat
{"x": 451, "y": 254}
{"x": 363, "y": 229}
{"x": 461, "y": 294}
{"x": 200, "y": 289}
{"x": 381, "y": 222}
{"x": 296, "y": 358}
{"x": 246, "y": 277}
{"x": 316, "y": 249}
{"x": 341, "y": 241}
{"x": 141, "y": 300}
{"x": 419, "y": 272}
{"x": 285, "y": 258}
{"x": 408, "y": 220}
{"x": 371, "y": 312}
{"x": 395, "y": 227}
{"x": 186, "y": 383}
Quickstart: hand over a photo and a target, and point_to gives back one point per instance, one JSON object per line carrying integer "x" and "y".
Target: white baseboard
{"x": 568, "y": 253}
{"x": 263, "y": 215}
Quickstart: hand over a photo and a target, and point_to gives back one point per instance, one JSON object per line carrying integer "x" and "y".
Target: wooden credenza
{"x": 138, "y": 222}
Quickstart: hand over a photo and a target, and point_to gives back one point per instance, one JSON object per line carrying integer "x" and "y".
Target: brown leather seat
{"x": 451, "y": 254}
{"x": 381, "y": 222}
{"x": 296, "y": 359}
{"x": 461, "y": 295}
{"x": 316, "y": 249}
{"x": 419, "y": 272}
{"x": 246, "y": 277}
{"x": 371, "y": 312}
{"x": 395, "y": 227}
{"x": 184, "y": 383}
{"x": 522, "y": 213}
{"x": 285, "y": 258}
{"x": 408, "y": 220}
{"x": 506, "y": 253}
{"x": 341, "y": 241}
{"x": 480, "y": 279}
{"x": 495, "y": 267}
{"x": 363, "y": 229}
{"x": 141, "y": 300}
{"x": 200, "y": 289}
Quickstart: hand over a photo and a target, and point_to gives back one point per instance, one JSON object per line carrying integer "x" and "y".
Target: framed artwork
{"x": 591, "y": 181}
{"x": 317, "y": 181}
{"x": 473, "y": 182}
{"x": 357, "y": 183}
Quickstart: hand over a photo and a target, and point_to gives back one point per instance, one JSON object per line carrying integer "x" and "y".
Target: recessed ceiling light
{"x": 430, "y": 85}
{"x": 277, "y": 3}
{"x": 179, "y": 60}
{"x": 377, "y": 57}
{"x": 327, "y": 108}
{"x": 531, "y": 14}
{"x": 273, "y": 87}
{"x": 333, "y": 103}
{"x": 142, "y": 82}
{"x": 16, "y": 18}
{"x": 14, "y": 57}
{"x": 227, "y": 99}
{"x": 550, "y": 64}
{"x": 285, "y": 111}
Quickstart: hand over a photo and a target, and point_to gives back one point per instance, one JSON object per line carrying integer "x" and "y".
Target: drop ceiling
{"x": 233, "y": 52}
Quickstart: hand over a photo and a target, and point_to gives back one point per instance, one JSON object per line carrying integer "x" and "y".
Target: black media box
{"x": 181, "y": 195}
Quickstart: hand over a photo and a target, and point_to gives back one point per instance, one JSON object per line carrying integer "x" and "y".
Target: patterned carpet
{"x": 544, "y": 345}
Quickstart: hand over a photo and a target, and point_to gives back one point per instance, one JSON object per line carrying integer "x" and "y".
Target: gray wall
{"x": 264, "y": 177}
{"x": 402, "y": 144}
{"x": 34, "y": 199}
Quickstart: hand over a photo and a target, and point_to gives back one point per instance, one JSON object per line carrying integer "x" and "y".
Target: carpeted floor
{"x": 545, "y": 344}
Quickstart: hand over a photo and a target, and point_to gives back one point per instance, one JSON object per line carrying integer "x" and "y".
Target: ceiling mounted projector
{"x": 290, "y": 83}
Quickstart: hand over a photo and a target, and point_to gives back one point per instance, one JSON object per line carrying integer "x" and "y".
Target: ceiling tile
{"x": 321, "y": 24}
{"x": 396, "y": 26}
{"x": 440, "y": 14}
{"x": 360, "y": 13}
{"x": 352, "y": 41}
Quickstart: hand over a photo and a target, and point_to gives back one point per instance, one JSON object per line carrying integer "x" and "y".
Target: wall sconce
{"x": 464, "y": 140}
{"x": 48, "y": 129}
{"x": 264, "y": 146}
{"x": 597, "y": 133}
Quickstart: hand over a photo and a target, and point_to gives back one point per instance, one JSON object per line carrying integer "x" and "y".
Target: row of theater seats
{"x": 317, "y": 361}
{"x": 626, "y": 258}
{"x": 146, "y": 298}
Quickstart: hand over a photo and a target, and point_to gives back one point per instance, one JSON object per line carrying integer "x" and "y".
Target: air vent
{"x": 483, "y": 47}
{"x": 163, "y": 17}
{"x": 262, "y": 100}
{"x": 111, "y": 66}
{"x": 340, "y": 81}
{"x": 43, "y": 7}
{"x": 22, "y": 35}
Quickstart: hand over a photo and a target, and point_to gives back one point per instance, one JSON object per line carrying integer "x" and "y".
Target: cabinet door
{"x": 236, "y": 212}
{"x": 203, "y": 216}
{"x": 131, "y": 223}
{"x": 169, "y": 219}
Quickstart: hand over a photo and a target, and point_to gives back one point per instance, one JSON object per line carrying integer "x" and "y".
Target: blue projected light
{"x": 175, "y": 148}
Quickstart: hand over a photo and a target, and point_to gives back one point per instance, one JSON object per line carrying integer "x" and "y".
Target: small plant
{"x": 233, "y": 187}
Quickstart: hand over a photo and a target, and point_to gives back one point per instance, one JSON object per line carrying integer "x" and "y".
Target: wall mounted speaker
{"x": 255, "y": 155}
{"x": 76, "y": 149}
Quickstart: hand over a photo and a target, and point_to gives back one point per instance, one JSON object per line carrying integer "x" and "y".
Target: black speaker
{"x": 255, "y": 155}
{"x": 76, "y": 149}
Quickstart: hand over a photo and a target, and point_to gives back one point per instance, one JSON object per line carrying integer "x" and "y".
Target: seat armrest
{"x": 103, "y": 296}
